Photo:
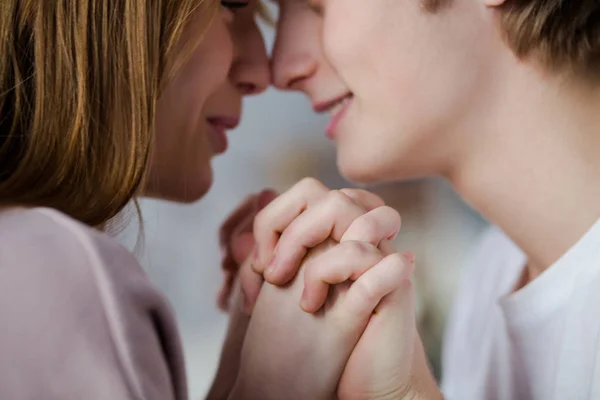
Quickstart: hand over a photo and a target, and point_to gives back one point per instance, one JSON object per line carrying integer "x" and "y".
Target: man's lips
{"x": 331, "y": 105}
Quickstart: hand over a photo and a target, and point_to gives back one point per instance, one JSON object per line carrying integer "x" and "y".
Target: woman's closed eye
{"x": 234, "y": 5}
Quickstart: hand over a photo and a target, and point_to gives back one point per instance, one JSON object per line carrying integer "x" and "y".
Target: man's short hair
{"x": 561, "y": 34}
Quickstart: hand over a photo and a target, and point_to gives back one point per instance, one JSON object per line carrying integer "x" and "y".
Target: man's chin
{"x": 359, "y": 173}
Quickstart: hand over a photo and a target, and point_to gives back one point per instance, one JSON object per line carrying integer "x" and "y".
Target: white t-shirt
{"x": 540, "y": 342}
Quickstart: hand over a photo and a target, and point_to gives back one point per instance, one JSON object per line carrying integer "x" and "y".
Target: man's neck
{"x": 535, "y": 170}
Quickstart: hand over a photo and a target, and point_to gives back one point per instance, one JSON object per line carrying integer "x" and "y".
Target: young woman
{"x": 80, "y": 123}
{"x": 501, "y": 98}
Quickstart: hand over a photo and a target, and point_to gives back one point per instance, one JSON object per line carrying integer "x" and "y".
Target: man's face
{"x": 400, "y": 81}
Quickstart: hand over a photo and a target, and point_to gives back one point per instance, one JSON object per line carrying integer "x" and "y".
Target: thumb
{"x": 384, "y": 279}
{"x": 386, "y": 350}
{"x": 394, "y": 319}
{"x": 394, "y": 316}
{"x": 251, "y": 284}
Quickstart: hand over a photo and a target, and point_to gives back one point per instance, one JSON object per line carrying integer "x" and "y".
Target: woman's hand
{"x": 229, "y": 362}
{"x": 307, "y": 215}
{"x": 388, "y": 360}
{"x": 237, "y": 242}
{"x": 290, "y": 354}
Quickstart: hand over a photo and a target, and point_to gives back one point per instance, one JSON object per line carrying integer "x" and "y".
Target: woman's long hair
{"x": 79, "y": 82}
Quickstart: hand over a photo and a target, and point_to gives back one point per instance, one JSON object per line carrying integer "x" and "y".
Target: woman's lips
{"x": 218, "y": 133}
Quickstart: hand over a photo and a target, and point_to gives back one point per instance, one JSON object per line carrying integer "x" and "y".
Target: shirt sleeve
{"x": 79, "y": 319}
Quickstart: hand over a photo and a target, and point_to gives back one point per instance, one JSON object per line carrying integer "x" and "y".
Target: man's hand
{"x": 309, "y": 214}
{"x": 291, "y": 354}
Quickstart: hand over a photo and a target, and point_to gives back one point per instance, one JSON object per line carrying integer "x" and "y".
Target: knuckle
{"x": 397, "y": 260}
{"x": 357, "y": 249}
{"x": 289, "y": 237}
{"x": 367, "y": 289}
{"x": 312, "y": 273}
{"x": 260, "y": 221}
{"x": 315, "y": 267}
{"x": 309, "y": 183}
{"x": 393, "y": 214}
{"x": 354, "y": 195}
{"x": 337, "y": 199}
{"x": 369, "y": 226}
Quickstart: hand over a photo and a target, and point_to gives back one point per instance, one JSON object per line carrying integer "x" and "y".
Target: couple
{"x": 103, "y": 102}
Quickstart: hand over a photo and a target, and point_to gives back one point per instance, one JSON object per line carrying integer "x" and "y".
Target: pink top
{"x": 80, "y": 320}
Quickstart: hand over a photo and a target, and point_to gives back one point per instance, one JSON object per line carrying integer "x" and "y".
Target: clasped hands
{"x": 331, "y": 301}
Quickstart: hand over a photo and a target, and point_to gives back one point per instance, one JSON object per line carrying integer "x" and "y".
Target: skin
{"x": 452, "y": 100}
{"x": 298, "y": 61}
{"x": 340, "y": 239}
{"x": 206, "y": 95}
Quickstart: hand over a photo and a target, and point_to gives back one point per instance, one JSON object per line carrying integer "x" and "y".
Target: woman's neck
{"x": 534, "y": 169}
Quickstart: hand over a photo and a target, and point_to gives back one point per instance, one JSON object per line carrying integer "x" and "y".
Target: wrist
{"x": 422, "y": 385}
{"x": 244, "y": 390}
{"x": 229, "y": 363}
{"x": 222, "y": 386}
{"x": 250, "y": 388}
{"x": 430, "y": 393}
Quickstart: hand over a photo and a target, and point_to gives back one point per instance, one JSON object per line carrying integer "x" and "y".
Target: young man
{"x": 501, "y": 98}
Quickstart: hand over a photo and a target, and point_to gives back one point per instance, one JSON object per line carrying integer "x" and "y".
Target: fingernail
{"x": 410, "y": 256}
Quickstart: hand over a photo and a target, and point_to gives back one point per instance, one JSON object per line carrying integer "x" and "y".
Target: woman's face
{"x": 204, "y": 100}
{"x": 397, "y": 79}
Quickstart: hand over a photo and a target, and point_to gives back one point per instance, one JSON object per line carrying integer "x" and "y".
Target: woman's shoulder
{"x": 44, "y": 240}
{"x": 44, "y": 247}
{"x": 48, "y": 234}
{"x": 101, "y": 318}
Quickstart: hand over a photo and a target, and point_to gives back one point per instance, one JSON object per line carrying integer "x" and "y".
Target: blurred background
{"x": 279, "y": 142}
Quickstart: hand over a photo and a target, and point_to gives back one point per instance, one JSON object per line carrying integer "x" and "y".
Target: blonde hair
{"x": 79, "y": 82}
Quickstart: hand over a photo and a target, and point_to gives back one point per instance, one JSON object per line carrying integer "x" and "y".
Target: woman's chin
{"x": 182, "y": 190}
{"x": 193, "y": 192}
